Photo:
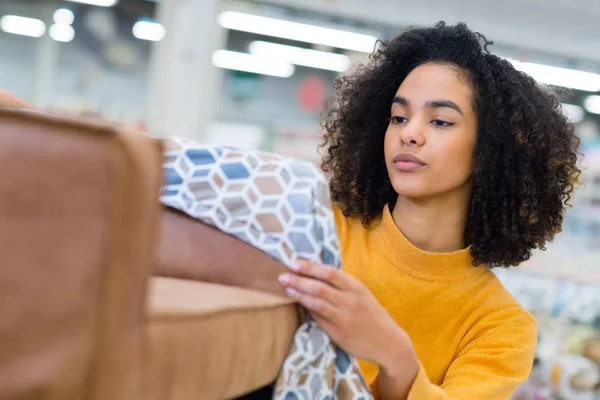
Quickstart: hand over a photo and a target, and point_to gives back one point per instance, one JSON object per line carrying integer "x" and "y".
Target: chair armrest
{"x": 190, "y": 249}
{"x": 79, "y": 221}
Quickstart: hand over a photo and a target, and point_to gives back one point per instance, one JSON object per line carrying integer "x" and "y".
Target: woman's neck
{"x": 435, "y": 225}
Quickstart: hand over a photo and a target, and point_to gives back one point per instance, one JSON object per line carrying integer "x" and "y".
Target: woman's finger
{"x": 312, "y": 287}
{"x": 314, "y": 305}
{"x": 323, "y": 272}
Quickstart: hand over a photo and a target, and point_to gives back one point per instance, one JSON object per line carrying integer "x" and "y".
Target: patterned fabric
{"x": 281, "y": 206}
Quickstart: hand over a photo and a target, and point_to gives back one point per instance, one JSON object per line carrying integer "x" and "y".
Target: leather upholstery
{"x": 209, "y": 341}
{"x": 191, "y": 250}
{"x": 79, "y": 224}
{"x": 8, "y": 100}
{"x": 82, "y": 317}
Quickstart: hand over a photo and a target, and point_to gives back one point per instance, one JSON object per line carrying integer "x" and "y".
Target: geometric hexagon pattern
{"x": 278, "y": 204}
{"x": 281, "y": 206}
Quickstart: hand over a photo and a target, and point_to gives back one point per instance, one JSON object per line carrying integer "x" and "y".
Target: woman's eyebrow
{"x": 431, "y": 104}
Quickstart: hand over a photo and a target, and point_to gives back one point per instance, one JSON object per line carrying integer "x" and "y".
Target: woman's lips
{"x": 408, "y": 162}
{"x": 407, "y": 166}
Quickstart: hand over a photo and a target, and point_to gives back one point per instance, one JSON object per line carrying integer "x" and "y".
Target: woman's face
{"x": 430, "y": 141}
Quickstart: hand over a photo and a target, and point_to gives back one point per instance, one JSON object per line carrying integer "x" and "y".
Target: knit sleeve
{"x": 489, "y": 368}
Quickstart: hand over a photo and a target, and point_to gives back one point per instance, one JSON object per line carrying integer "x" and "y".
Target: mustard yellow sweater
{"x": 473, "y": 339}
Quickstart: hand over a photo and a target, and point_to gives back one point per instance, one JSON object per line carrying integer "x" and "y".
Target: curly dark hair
{"x": 525, "y": 158}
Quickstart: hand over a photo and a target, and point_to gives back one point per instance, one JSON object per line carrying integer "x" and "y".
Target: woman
{"x": 446, "y": 162}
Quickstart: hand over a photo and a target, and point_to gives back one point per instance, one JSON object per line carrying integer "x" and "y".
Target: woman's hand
{"x": 349, "y": 313}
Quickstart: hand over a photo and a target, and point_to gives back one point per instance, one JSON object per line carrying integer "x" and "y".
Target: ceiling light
{"x": 147, "y": 30}
{"x": 99, "y": 3}
{"x": 592, "y": 104}
{"x": 22, "y": 26}
{"x": 299, "y": 56}
{"x": 557, "y": 76}
{"x": 297, "y": 31}
{"x": 62, "y": 33}
{"x": 574, "y": 113}
{"x": 64, "y": 16}
{"x": 250, "y": 63}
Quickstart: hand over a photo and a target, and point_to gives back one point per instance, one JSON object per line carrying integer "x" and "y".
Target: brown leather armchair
{"x": 107, "y": 295}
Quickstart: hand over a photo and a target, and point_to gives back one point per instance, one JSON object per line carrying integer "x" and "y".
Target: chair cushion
{"x": 214, "y": 340}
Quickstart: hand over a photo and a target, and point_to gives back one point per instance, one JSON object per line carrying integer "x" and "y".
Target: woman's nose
{"x": 412, "y": 134}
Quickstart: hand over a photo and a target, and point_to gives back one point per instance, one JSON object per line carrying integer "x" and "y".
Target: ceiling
{"x": 556, "y": 27}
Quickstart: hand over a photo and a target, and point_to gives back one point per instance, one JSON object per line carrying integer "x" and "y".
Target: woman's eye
{"x": 440, "y": 123}
{"x": 398, "y": 120}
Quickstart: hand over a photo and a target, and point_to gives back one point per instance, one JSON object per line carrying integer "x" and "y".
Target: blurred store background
{"x": 255, "y": 74}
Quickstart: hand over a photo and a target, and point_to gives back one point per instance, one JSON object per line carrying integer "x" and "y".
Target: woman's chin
{"x": 421, "y": 191}
{"x": 412, "y": 191}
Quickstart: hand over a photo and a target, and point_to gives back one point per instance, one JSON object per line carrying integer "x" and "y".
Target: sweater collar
{"x": 442, "y": 267}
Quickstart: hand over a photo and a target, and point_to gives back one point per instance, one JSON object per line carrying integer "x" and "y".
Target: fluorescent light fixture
{"x": 250, "y": 63}
{"x": 557, "y": 76}
{"x": 64, "y": 16}
{"x": 147, "y": 30}
{"x": 99, "y": 3}
{"x": 22, "y": 26}
{"x": 592, "y": 104}
{"x": 297, "y": 31}
{"x": 299, "y": 56}
{"x": 574, "y": 113}
{"x": 62, "y": 33}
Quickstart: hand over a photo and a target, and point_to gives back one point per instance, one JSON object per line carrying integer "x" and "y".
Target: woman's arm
{"x": 353, "y": 318}
{"x": 399, "y": 369}
{"x": 489, "y": 368}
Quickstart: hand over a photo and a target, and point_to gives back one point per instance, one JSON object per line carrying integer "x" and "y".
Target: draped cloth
{"x": 281, "y": 206}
